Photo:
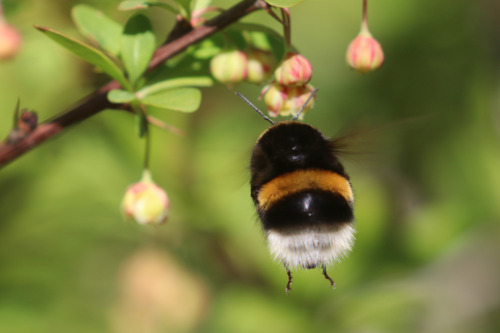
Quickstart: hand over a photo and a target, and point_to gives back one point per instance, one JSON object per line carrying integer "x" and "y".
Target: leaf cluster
{"x": 124, "y": 52}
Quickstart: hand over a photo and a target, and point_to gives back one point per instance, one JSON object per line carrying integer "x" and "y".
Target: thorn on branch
{"x": 25, "y": 124}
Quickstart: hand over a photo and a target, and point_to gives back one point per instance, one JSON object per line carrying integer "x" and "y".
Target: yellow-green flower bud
{"x": 145, "y": 202}
{"x": 229, "y": 66}
{"x": 274, "y": 96}
{"x": 260, "y": 65}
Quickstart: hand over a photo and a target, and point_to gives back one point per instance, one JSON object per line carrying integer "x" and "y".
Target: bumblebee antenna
{"x": 304, "y": 106}
{"x": 256, "y": 108}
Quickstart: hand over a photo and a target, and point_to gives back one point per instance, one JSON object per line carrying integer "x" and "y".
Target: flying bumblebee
{"x": 302, "y": 195}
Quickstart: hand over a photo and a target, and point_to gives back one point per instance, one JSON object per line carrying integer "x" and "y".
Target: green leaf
{"x": 201, "y": 81}
{"x": 185, "y": 68}
{"x": 261, "y": 36}
{"x": 87, "y": 53}
{"x": 97, "y": 27}
{"x": 181, "y": 99}
{"x": 138, "y": 46}
{"x": 185, "y": 7}
{"x": 207, "y": 49}
{"x": 284, "y": 3}
{"x": 121, "y": 96}
{"x": 135, "y": 5}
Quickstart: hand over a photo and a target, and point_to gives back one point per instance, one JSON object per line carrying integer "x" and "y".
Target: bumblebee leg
{"x": 290, "y": 279}
{"x": 327, "y": 277}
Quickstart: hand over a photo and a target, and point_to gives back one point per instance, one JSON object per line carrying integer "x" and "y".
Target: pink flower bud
{"x": 364, "y": 53}
{"x": 10, "y": 41}
{"x": 274, "y": 97}
{"x": 295, "y": 70}
{"x": 296, "y": 98}
{"x": 285, "y": 101}
{"x": 260, "y": 65}
{"x": 145, "y": 202}
{"x": 229, "y": 66}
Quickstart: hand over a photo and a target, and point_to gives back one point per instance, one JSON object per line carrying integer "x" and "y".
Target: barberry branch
{"x": 97, "y": 101}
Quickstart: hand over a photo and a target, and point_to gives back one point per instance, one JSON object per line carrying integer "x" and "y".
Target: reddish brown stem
{"x": 97, "y": 101}
{"x": 270, "y": 11}
{"x": 287, "y": 27}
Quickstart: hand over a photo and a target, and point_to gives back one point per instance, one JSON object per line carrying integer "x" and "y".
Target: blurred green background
{"x": 427, "y": 255}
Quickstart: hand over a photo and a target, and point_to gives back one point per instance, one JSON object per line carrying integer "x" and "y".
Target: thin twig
{"x": 287, "y": 27}
{"x": 97, "y": 101}
{"x": 273, "y": 15}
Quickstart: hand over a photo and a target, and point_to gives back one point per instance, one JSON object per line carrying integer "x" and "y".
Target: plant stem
{"x": 147, "y": 138}
{"x": 2, "y": 17}
{"x": 287, "y": 28}
{"x": 273, "y": 15}
{"x": 364, "y": 21}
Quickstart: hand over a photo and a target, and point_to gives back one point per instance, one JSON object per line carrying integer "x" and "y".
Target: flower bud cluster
{"x": 233, "y": 66}
{"x": 289, "y": 91}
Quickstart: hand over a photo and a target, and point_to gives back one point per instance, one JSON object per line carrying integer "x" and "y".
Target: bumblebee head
{"x": 289, "y": 146}
{"x": 293, "y": 145}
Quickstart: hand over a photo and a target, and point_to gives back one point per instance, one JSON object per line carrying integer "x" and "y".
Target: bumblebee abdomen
{"x": 307, "y": 208}
{"x": 303, "y": 198}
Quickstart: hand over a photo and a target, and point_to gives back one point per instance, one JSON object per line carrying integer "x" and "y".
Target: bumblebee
{"x": 302, "y": 195}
